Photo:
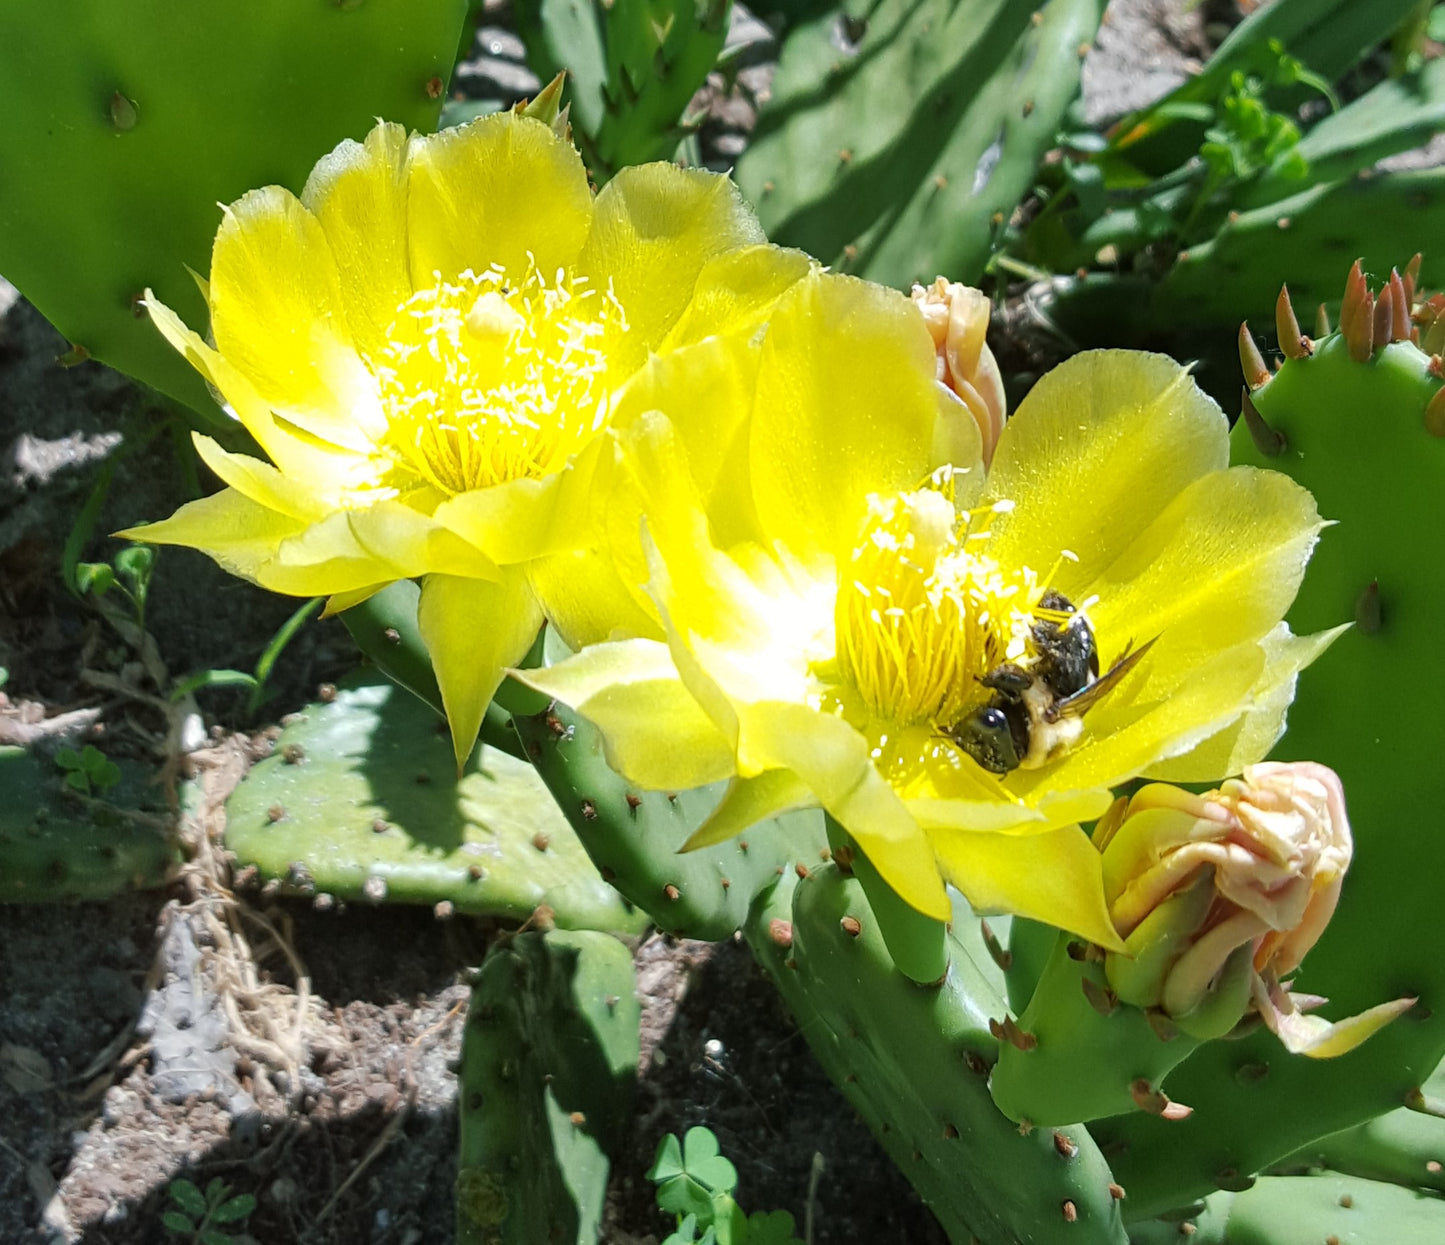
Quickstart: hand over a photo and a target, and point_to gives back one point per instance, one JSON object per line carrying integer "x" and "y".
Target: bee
{"x": 1036, "y": 713}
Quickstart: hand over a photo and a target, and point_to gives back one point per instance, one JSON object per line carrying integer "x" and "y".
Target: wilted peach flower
{"x": 957, "y": 319}
{"x": 1220, "y": 895}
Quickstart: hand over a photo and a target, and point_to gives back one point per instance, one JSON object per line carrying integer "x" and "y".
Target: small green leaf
{"x": 682, "y": 1195}
{"x": 668, "y": 1162}
{"x": 214, "y": 1236}
{"x": 77, "y": 780}
{"x": 96, "y": 578}
{"x": 185, "y": 1195}
{"x": 236, "y": 1209}
{"x": 105, "y": 775}
{"x": 176, "y": 1222}
{"x": 67, "y": 758}
{"x": 773, "y": 1227}
{"x": 216, "y": 1190}
{"x": 135, "y": 562}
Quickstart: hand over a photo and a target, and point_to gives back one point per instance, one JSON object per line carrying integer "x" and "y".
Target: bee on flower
{"x": 957, "y": 666}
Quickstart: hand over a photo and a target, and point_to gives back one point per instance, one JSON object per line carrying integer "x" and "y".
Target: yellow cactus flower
{"x": 427, "y": 344}
{"x": 957, "y": 668}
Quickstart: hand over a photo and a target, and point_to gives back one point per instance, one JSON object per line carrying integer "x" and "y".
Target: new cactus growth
{"x": 1352, "y": 415}
{"x": 548, "y": 1069}
{"x": 126, "y": 125}
{"x": 361, "y": 802}
{"x": 633, "y": 67}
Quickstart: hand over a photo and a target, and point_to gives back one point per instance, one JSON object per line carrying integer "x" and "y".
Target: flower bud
{"x": 957, "y": 318}
{"x": 1220, "y": 895}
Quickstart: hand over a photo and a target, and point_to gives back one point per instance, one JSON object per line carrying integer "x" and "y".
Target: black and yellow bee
{"x": 1034, "y": 713}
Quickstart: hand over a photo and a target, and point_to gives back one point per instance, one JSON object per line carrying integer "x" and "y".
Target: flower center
{"x": 489, "y": 379}
{"x": 923, "y": 611}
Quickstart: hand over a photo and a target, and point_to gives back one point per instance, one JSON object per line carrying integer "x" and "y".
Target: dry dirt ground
{"x": 307, "y": 1058}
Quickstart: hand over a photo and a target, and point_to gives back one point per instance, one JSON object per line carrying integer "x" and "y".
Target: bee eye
{"x": 987, "y": 736}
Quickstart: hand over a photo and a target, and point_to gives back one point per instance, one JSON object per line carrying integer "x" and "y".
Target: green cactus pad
{"x": 126, "y": 124}
{"x": 53, "y": 848}
{"x": 361, "y": 801}
{"x": 548, "y": 1070}
{"x": 1082, "y": 1063}
{"x": 914, "y": 1062}
{"x": 1369, "y": 708}
{"x": 1306, "y": 1210}
{"x": 633, "y": 836}
{"x": 892, "y": 159}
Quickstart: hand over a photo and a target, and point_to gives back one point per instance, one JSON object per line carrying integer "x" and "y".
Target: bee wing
{"x": 1082, "y": 701}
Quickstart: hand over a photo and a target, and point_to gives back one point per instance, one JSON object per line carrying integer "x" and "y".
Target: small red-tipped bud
{"x": 851, "y": 926}
{"x": 1065, "y": 1145}
{"x": 1008, "y": 1031}
{"x": 1384, "y": 317}
{"x": 1435, "y": 414}
{"x": 1399, "y": 308}
{"x": 1256, "y": 373}
{"x": 781, "y": 932}
{"x": 1268, "y": 441}
{"x": 1322, "y": 321}
{"x": 1292, "y": 342}
{"x": 1412, "y": 277}
{"x": 1357, "y": 315}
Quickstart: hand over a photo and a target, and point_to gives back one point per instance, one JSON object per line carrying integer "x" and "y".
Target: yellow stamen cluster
{"x": 488, "y": 379}
{"x": 923, "y": 611}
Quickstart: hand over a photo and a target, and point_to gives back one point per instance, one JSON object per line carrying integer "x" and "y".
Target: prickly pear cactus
{"x": 1356, "y": 417}
{"x": 901, "y": 135}
{"x": 914, "y": 1061}
{"x": 633, "y": 836}
{"x": 54, "y": 849}
{"x": 548, "y": 1069}
{"x": 125, "y": 126}
{"x": 360, "y": 801}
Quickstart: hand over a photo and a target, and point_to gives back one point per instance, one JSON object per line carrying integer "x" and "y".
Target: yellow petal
{"x": 415, "y": 543}
{"x": 1095, "y": 452}
{"x": 501, "y": 190}
{"x": 748, "y": 801}
{"x": 735, "y": 291}
{"x": 706, "y": 391}
{"x": 1056, "y": 878}
{"x": 1122, "y": 741}
{"x": 474, "y": 630}
{"x": 587, "y": 601}
{"x": 847, "y": 407}
{"x": 279, "y": 316}
{"x": 358, "y": 193}
{"x": 834, "y": 761}
{"x": 300, "y": 457}
{"x": 260, "y": 481}
{"x": 653, "y": 731}
{"x": 653, "y": 229}
{"x": 238, "y": 533}
{"x": 1220, "y": 564}
{"x": 1250, "y": 738}
{"x": 528, "y": 518}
